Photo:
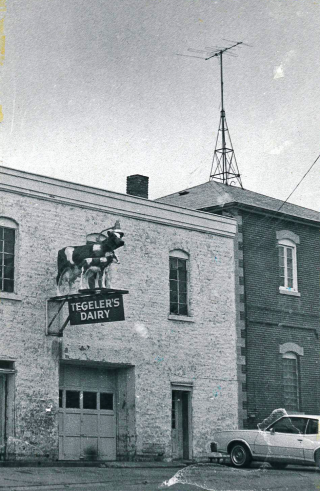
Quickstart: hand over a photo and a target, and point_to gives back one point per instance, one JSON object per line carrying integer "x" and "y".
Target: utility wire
{"x": 299, "y": 182}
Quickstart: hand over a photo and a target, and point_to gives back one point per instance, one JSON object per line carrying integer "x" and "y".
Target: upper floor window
{"x": 178, "y": 282}
{"x": 7, "y": 254}
{"x": 287, "y": 245}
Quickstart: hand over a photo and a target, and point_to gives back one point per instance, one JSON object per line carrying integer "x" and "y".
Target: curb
{"x": 100, "y": 464}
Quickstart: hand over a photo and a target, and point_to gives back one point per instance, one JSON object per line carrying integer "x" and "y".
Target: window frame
{"x": 8, "y": 224}
{"x": 181, "y": 255}
{"x": 288, "y": 245}
{"x": 290, "y": 355}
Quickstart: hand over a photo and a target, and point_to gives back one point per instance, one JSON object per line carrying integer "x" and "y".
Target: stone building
{"x": 278, "y": 269}
{"x": 154, "y": 386}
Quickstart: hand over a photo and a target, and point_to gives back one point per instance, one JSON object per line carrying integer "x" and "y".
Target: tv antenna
{"x": 224, "y": 166}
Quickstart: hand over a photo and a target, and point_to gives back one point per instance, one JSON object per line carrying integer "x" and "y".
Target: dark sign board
{"x": 96, "y": 308}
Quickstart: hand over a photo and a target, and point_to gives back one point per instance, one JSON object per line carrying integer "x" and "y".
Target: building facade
{"x": 278, "y": 269}
{"x": 154, "y": 386}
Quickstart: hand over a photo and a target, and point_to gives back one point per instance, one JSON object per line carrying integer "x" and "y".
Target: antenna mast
{"x": 224, "y": 166}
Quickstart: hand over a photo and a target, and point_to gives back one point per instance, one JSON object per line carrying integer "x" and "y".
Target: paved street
{"x": 206, "y": 476}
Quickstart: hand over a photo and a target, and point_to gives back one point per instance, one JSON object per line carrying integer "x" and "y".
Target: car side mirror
{"x": 272, "y": 431}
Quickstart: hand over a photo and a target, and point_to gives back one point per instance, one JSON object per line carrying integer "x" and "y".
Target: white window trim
{"x": 288, "y": 243}
{"x": 181, "y": 254}
{"x": 7, "y": 222}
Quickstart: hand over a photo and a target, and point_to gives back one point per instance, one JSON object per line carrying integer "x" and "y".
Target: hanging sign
{"x": 96, "y": 308}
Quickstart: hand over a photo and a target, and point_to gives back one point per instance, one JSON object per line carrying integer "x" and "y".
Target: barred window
{"x": 178, "y": 283}
{"x": 7, "y": 245}
{"x": 290, "y": 368}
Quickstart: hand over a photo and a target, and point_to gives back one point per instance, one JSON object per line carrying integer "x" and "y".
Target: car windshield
{"x": 272, "y": 418}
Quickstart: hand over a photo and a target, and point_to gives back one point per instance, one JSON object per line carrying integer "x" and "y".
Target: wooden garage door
{"x": 87, "y": 423}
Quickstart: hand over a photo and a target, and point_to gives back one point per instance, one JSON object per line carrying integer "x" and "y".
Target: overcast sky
{"x": 92, "y": 91}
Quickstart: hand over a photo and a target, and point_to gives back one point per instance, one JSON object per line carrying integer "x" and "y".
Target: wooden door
{"x": 2, "y": 413}
{"x": 87, "y": 421}
{"x": 180, "y": 424}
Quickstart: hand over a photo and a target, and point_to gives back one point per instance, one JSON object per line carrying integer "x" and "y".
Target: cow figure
{"x": 91, "y": 259}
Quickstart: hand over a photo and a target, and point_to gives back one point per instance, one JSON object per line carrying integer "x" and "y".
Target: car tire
{"x": 278, "y": 465}
{"x": 317, "y": 458}
{"x": 240, "y": 455}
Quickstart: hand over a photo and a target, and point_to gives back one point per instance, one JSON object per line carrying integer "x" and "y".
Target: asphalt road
{"x": 206, "y": 476}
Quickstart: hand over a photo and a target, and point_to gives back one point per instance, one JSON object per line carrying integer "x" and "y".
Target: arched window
{"x": 178, "y": 279}
{"x": 287, "y": 245}
{"x": 291, "y": 389}
{"x": 8, "y": 229}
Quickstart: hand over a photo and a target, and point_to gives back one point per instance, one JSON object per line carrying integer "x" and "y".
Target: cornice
{"x": 71, "y": 194}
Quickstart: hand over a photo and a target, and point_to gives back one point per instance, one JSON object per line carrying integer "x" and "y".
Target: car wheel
{"x": 317, "y": 458}
{"x": 278, "y": 465}
{"x": 240, "y": 455}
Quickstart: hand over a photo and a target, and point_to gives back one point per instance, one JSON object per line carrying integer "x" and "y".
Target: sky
{"x": 93, "y": 91}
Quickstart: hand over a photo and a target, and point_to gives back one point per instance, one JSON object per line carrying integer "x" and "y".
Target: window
{"x": 7, "y": 245}
{"x": 287, "y": 245}
{"x": 313, "y": 427}
{"x": 178, "y": 283}
{"x": 290, "y": 425}
{"x": 290, "y": 381}
{"x": 89, "y": 400}
{"x": 106, "y": 401}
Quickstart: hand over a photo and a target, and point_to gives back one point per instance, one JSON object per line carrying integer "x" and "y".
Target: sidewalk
{"x": 35, "y": 477}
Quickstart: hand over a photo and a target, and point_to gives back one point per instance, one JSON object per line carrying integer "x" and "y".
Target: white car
{"x": 292, "y": 439}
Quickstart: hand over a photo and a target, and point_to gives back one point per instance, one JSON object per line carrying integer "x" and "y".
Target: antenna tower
{"x": 224, "y": 166}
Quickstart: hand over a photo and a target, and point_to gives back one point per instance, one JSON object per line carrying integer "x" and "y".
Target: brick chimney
{"x": 137, "y": 185}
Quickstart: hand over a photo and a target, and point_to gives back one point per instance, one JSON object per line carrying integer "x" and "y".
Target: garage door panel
{"x": 107, "y": 425}
{"x": 89, "y": 425}
{"x": 72, "y": 424}
{"x": 107, "y": 448}
{"x": 71, "y": 448}
{"x": 89, "y": 447}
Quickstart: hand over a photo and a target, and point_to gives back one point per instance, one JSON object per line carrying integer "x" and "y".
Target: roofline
{"x": 261, "y": 210}
{"x": 244, "y": 189}
{"x": 79, "y": 195}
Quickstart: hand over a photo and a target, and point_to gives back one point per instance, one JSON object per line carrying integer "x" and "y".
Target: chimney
{"x": 137, "y": 185}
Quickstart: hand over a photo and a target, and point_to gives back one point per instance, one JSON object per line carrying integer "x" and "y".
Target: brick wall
{"x": 274, "y": 319}
{"x": 159, "y": 351}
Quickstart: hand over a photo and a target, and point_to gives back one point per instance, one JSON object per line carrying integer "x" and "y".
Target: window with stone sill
{"x": 287, "y": 247}
{"x": 8, "y": 229}
{"x": 178, "y": 280}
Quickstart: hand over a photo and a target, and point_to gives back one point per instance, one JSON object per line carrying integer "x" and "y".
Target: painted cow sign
{"x": 89, "y": 262}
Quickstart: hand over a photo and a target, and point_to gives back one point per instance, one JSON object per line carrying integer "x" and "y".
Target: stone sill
{"x": 289, "y": 292}
{"x": 181, "y": 318}
{"x": 10, "y": 296}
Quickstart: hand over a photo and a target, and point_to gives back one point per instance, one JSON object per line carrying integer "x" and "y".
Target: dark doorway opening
{"x": 180, "y": 424}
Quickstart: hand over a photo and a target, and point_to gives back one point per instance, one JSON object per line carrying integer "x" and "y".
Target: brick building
{"x": 278, "y": 269}
{"x": 153, "y": 386}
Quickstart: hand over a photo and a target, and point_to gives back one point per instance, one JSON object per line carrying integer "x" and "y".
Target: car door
{"x": 282, "y": 440}
{"x": 311, "y": 439}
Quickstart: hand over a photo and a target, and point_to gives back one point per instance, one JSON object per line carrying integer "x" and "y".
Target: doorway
{"x": 87, "y": 414}
{"x": 181, "y": 424}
